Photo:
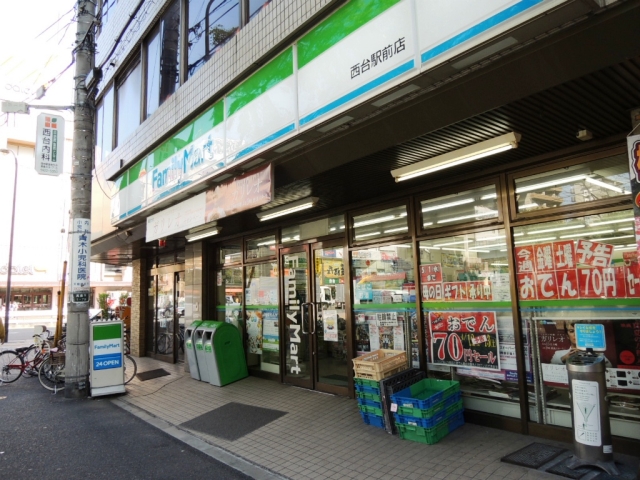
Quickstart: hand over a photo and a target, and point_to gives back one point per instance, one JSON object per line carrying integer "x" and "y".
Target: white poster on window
{"x": 330, "y": 320}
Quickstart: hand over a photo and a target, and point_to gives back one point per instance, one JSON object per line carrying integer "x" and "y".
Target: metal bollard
{"x": 590, "y": 413}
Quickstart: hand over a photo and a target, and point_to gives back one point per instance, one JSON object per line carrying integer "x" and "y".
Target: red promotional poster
{"x": 524, "y": 259}
{"x": 564, "y": 255}
{"x": 601, "y": 282}
{"x": 464, "y": 339}
{"x": 593, "y": 253}
{"x": 632, "y": 280}
{"x": 431, "y": 272}
{"x": 543, "y": 254}
{"x": 557, "y": 341}
{"x": 567, "y": 282}
{"x": 479, "y": 291}
{"x": 455, "y": 291}
{"x": 432, "y": 292}
{"x": 546, "y": 286}
{"x": 527, "y": 286}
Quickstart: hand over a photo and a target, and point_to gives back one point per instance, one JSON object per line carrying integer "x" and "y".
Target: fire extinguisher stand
{"x": 590, "y": 413}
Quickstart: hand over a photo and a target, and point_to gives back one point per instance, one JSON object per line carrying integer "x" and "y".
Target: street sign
{"x": 49, "y": 144}
{"x": 80, "y": 297}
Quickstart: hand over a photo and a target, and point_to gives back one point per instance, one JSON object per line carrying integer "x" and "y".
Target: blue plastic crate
{"x": 369, "y": 403}
{"x": 373, "y": 420}
{"x": 430, "y": 412}
{"x": 426, "y": 393}
{"x": 366, "y": 389}
{"x": 456, "y": 420}
{"x": 421, "y": 422}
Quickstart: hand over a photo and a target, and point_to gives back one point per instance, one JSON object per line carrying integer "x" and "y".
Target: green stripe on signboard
{"x": 107, "y": 332}
{"x": 269, "y": 76}
{"x": 342, "y": 23}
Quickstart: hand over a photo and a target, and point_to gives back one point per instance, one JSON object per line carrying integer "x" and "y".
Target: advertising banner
{"x": 80, "y": 255}
{"x": 49, "y": 144}
{"x": 465, "y": 339}
{"x": 270, "y": 335}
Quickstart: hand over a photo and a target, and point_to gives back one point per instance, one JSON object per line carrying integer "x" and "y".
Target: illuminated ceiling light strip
{"x": 486, "y": 239}
{"x": 518, "y": 234}
{"x": 447, "y": 205}
{"x": 200, "y": 235}
{"x": 465, "y": 217}
{"x": 556, "y": 229}
{"x": 489, "y": 196}
{"x": 373, "y": 221}
{"x": 399, "y": 229}
{"x": 489, "y": 246}
{"x": 612, "y": 238}
{"x": 528, "y": 205}
{"x": 457, "y": 157}
{"x": 534, "y": 240}
{"x": 268, "y": 242}
{"x": 603, "y": 184}
{"x": 499, "y": 264}
{"x": 630, "y": 247}
{"x": 464, "y": 250}
{"x": 601, "y": 232}
{"x": 426, "y": 224}
{"x": 625, "y": 229}
{"x": 453, "y": 243}
{"x": 292, "y": 207}
{"x": 365, "y": 235}
{"x": 551, "y": 183}
{"x": 609, "y": 222}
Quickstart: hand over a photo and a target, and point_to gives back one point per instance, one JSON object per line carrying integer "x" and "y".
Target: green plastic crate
{"x": 366, "y": 382}
{"x": 430, "y": 412}
{"x": 423, "y": 435}
{"x": 369, "y": 396}
{"x": 371, "y": 410}
{"x": 426, "y": 393}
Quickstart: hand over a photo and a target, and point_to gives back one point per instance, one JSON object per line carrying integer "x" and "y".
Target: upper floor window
{"x": 107, "y": 10}
{"x": 104, "y": 126}
{"x": 211, "y": 24}
{"x": 128, "y": 103}
{"x": 163, "y": 59}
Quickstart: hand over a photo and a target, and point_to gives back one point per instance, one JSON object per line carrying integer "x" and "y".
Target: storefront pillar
{"x": 195, "y": 298}
{"x": 138, "y": 305}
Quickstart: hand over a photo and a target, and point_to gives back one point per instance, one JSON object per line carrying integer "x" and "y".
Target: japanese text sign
{"x": 80, "y": 254}
{"x": 464, "y": 339}
{"x": 49, "y": 144}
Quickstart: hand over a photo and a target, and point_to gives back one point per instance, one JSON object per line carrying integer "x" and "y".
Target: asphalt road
{"x": 47, "y": 436}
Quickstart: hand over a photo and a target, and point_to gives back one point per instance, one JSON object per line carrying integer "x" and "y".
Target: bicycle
{"x": 51, "y": 373}
{"x": 165, "y": 341}
{"x": 24, "y": 360}
{"x": 130, "y": 366}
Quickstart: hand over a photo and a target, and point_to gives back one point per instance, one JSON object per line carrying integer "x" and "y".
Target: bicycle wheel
{"x": 29, "y": 357}
{"x": 62, "y": 343}
{"x": 51, "y": 375}
{"x": 165, "y": 344}
{"x": 11, "y": 366}
{"x": 130, "y": 368}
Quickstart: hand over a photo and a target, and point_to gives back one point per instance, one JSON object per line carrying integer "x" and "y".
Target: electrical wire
{"x": 51, "y": 26}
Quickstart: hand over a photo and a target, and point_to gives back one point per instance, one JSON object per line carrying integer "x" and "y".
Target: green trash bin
{"x": 224, "y": 353}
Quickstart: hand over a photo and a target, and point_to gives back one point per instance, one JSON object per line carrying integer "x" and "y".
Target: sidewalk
{"x": 320, "y": 436}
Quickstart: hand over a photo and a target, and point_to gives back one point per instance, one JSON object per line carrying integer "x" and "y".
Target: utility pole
{"x": 77, "y": 352}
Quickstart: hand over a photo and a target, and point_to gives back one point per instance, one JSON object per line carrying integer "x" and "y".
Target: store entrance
{"x": 315, "y": 328}
{"x": 166, "y": 320}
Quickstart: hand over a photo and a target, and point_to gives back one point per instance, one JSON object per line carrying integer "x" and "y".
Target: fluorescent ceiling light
{"x": 397, "y": 94}
{"x": 463, "y": 250}
{"x": 364, "y": 235}
{"x": 518, "y": 234}
{"x": 486, "y": 239}
{"x": 603, "y": 184}
{"x": 609, "y": 222}
{"x": 551, "y": 183}
{"x": 458, "y": 157}
{"x": 335, "y": 124}
{"x": 292, "y": 207}
{"x": 426, "y": 224}
{"x": 373, "y": 221}
{"x": 289, "y": 146}
{"x": 264, "y": 244}
{"x": 534, "y": 240}
{"x": 489, "y": 196}
{"x": 528, "y": 205}
{"x": 499, "y": 264}
{"x": 599, "y": 232}
{"x": 288, "y": 239}
{"x": 556, "y": 229}
{"x": 613, "y": 238}
{"x": 465, "y": 217}
{"x": 453, "y": 243}
{"x": 399, "y": 229}
{"x": 447, "y": 205}
{"x": 489, "y": 246}
{"x": 203, "y": 234}
{"x": 624, "y": 229}
{"x": 630, "y": 247}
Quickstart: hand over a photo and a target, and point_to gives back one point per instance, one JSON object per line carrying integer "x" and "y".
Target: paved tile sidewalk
{"x": 322, "y": 436}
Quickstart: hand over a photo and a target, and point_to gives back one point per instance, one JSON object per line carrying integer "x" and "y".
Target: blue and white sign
{"x": 590, "y": 335}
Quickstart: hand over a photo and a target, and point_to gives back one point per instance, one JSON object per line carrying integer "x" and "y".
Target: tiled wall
{"x": 271, "y": 28}
{"x": 138, "y": 307}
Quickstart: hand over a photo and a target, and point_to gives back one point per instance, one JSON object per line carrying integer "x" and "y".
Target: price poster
{"x": 465, "y": 339}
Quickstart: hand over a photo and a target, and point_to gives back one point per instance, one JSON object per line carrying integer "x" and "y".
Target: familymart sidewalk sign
{"x": 107, "y": 363}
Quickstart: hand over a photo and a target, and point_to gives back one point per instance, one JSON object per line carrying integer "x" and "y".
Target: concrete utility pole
{"x": 77, "y": 353}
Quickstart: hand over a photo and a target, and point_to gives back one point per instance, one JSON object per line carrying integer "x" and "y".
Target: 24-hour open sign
{"x": 464, "y": 339}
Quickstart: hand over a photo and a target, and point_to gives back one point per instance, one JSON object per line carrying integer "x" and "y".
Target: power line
{"x": 54, "y": 23}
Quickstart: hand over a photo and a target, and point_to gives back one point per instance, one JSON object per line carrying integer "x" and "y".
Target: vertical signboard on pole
{"x": 49, "y": 144}
{"x": 80, "y": 255}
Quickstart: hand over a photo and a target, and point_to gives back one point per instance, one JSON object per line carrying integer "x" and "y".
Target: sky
{"x": 36, "y": 39}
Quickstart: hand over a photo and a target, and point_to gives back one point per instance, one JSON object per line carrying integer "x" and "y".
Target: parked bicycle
{"x": 24, "y": 360}
{"x": 51, "y": 373}
{"x": 165, "y": 341}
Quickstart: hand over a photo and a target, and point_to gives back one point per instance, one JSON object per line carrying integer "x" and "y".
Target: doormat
{"x": 534, "y": 455}
{"x": 149, "y": 374}
{"x": 233, "y": 420}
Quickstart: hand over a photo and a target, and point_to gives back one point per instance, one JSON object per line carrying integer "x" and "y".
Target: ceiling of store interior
{"x": 596, "y": 91}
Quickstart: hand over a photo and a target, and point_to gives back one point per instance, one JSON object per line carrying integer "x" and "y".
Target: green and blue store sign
{"x": 107, "y": 346}
{"x": 363, "y": 49}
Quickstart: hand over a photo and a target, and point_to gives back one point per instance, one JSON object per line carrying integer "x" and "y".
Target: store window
{"x": 128, "y": 103}
{"x": 261, "y": 247}
{"x": 230, "y": 253}
{"x": 315, "y": 229}
{"x": 104, "y": 126}
{"x": 469, "y": 206}
{"x": 384, "y": 300}
{"x": 468, "y": 321}
{"x": 25, "y": 299}
{"x": 383, "y": 223}
{"x": 163, "y": 59}
{"x": 262, "y": 327}
{"x": 600, "y": 179}
{"x": 582, "y": 270}
{"x": 230, "y": 297}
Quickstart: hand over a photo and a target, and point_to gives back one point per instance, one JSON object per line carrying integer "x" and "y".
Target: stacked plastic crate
{"x": 369, "y": 370}
{"x": 428, "y": 410}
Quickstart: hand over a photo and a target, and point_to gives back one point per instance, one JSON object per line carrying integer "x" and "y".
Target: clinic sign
{"x": 49, "y": 144}
{"x": 80, "y": 255}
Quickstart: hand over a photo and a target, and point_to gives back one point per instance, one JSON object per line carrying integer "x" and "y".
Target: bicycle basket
{"x": 57, "y": 358}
